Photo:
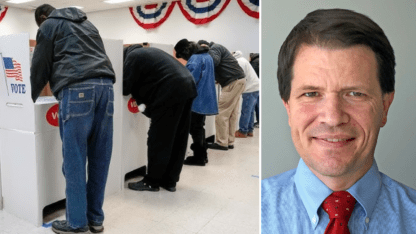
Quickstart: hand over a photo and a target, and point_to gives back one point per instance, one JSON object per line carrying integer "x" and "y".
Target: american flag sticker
{"x": 13, "y": 69}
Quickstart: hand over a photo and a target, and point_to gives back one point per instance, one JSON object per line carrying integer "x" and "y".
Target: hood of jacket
{"x": 238, "y": 54}
{"x": 129, "y": 49}
{"x": 254, "y": 56}
{"x": 201, "y": 49}
{"x": 71, "y": 13}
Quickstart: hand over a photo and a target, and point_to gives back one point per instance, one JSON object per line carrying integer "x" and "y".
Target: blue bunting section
{"x": 202, "y": 11}
{"x": 152, "y": 15}
{"x": 3, "y": 11}
{"x": 250, "y": 7}
{"x": 196, "y": 11}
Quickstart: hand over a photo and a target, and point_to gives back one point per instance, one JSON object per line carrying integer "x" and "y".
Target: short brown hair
{"x": 336, "y": 28}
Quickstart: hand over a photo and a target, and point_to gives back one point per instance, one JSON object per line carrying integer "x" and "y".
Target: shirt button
{"x": 314, "y": 219}
{"x": 367, "y": 220}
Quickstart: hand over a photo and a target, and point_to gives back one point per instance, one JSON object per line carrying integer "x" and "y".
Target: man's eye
{"x": 355, "y": 94}
{"x": 311, "y": 94}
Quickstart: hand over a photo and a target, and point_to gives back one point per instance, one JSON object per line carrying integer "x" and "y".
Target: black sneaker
{"x": 231, "y": 147}
{"x": 195, "y": 161}
{"x": 142, "y": 186}
{"x": 95, "y": 228}
{"x": 62, "y": 227}
{"x": 168, "y": 188}
{"x": 217, "y": 146}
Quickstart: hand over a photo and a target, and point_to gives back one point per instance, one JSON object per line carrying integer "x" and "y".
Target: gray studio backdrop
{"x": 396, "y": 148}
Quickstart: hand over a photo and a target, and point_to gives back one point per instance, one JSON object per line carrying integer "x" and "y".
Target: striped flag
{"x": 13, "y": 69}
{"x": 152, "y": 15}
{"x": 250, "y": 7}
{"x": 3, "y": 11}
{"x": 202, "y": 11}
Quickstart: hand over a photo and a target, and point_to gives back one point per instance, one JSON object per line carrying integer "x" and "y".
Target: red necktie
{"x": 339, "y": 206}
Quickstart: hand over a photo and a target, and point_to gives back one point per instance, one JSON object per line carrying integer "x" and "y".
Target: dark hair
{"x": 44, "y": 9}
{"x": 336, "y": 28}
{"x": 188, "y": 51}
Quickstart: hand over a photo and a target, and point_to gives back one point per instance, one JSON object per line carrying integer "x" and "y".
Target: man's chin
{"x": 331, "y": 168}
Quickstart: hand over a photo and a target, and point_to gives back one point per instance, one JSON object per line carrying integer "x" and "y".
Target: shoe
{"x": 250, "y": 134}
{"x": 96, "y": 228}
{"x": 239, "y": 134}
{"x": 256, "y": 125}
{"x": 217, "y": 147}
{"x": 168, "y": 188}
{"x": 231, "y": 147}
{"x": 142, "y": 186}
{"x": 194, "y": 161}
{"x": 62, "y": 227}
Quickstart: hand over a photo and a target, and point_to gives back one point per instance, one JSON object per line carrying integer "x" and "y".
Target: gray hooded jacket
{"x": 69, "y": 50}
{"x": 227, "y": 69}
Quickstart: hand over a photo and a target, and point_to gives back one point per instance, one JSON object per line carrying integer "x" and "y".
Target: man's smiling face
{"x": 336, "y": 109}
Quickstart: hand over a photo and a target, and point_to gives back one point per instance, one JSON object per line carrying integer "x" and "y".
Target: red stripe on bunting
{"x": 4, "y": 13}
{"x": 205, "y": 20}
{"x": 155, "y": 25}
{"x": 247, "y": 10}
{"x": 151, "y": 6}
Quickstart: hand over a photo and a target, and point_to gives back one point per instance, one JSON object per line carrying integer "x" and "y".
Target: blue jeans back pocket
{"x": 80, "y": 101}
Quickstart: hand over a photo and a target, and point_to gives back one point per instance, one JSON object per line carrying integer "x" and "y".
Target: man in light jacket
{"x": 201, "y": 66}
{"x": 250, "y": 96}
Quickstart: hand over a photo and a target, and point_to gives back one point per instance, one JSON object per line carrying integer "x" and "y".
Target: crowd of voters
{"x": 178, "y": 91}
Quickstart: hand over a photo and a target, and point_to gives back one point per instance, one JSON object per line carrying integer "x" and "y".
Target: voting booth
{"x": 30, "y": 143}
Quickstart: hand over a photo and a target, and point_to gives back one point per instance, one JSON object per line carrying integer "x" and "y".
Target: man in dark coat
{"x": 167, "y": 88}
{"x": 70, "y": 56}
{"x": 255, "y": 63}
{"x": 231, "y": 78}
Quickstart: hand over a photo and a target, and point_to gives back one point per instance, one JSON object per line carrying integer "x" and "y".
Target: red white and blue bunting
{"x": 3, "y": 10}
{"x": 152, "y": 15}
{"x": 251, "y": 7}
{"x": 196, "y": 11}
{"x": 202, "y": 11}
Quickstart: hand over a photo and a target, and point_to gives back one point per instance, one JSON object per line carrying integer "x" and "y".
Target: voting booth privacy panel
{"x": 30, "y": 144}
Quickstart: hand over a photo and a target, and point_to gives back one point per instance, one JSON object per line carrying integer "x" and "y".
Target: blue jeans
{"x": 86, "y": 126}
{"x": 257, "y": 109}
{"x": 247, "y": 112}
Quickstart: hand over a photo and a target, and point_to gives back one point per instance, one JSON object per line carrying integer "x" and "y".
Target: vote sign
{"x": 52, "y": 115}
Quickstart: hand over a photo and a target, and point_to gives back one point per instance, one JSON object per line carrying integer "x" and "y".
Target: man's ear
{"x": 42, "y": 18}
{"x": 287, "y": 106}
{"x": 387, "y": 100}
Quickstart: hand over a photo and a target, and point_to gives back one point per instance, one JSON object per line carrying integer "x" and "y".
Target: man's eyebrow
{"x": 346, "y": 88}
{"x": 308, "y": 87}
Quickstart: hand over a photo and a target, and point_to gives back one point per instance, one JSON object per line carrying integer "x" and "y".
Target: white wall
{"x": 18, "y": 21}
{"x": 232, "y": 28}
{"x": 396, "y": 148}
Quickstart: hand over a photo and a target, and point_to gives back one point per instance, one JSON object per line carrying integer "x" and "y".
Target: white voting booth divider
{"x": 30, "y": 144}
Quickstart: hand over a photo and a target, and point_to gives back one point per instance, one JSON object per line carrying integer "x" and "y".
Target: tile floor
{"x": 220, "y": 198}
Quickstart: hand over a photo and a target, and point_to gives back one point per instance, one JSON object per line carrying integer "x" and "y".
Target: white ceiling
{"x": 89, "y": 5}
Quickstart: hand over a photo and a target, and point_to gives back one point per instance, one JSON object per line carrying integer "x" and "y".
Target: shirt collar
{"x": 313, "y": 191}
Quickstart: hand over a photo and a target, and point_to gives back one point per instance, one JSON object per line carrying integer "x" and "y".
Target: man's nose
{"x": 332, "y": 111}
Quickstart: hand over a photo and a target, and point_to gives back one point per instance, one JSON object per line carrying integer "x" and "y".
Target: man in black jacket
{"x": 255, "y": 63}
{"x": 70, "y": 56}
{"x": 167, "y": 88}
{"x": 231, "y": 78}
